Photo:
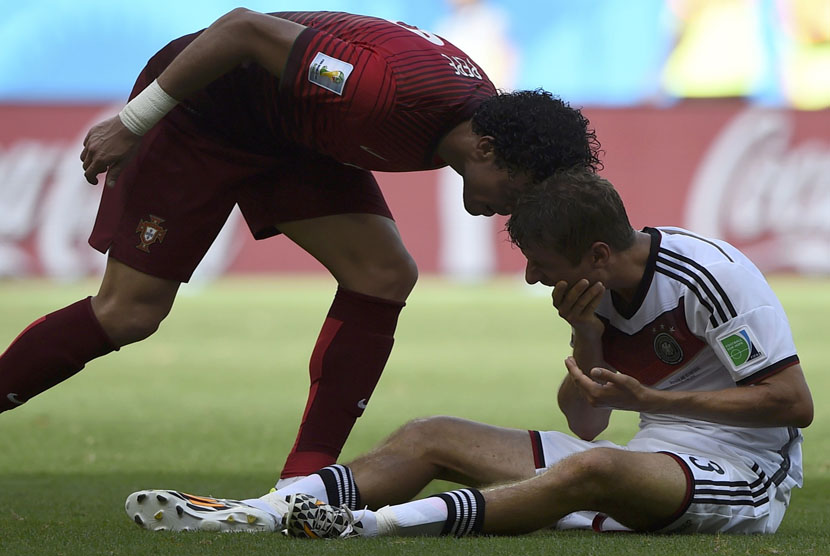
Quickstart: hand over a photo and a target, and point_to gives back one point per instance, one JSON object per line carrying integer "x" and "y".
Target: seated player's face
{"x": 490, "y": 190}
{"x": 546, "y": 266}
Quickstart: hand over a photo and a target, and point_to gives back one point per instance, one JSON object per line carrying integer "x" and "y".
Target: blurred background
{"x": 713, "y": 115}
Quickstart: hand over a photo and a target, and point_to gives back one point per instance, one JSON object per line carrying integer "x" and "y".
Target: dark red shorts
{"x": 201, "y": 160}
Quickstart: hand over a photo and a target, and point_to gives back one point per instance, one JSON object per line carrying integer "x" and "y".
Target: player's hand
{"x": 107, "y": 148}
{"x": 608, "y": 389}
{"x": 577, "y": 304}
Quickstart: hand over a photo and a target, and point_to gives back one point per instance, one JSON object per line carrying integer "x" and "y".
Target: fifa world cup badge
{"x": 150, "y": 232}
{"x": 329, "y": 73}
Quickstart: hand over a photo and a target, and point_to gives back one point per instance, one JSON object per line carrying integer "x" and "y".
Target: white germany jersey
{"x": 704, "y": 318}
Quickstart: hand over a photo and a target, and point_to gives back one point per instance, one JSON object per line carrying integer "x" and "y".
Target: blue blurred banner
{"x": 590, "y": 52}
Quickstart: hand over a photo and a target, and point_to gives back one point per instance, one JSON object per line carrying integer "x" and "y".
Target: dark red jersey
{"x": 374, "y": 93}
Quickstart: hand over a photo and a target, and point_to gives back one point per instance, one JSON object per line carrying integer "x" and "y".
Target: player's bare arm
{"x": 577, "y": 305}
{"x": 237, "y": 37}
{"x": 780, "y": 400}
{"x": 584, "y": 420}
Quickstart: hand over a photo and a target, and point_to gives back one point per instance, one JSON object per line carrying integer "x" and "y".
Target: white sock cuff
{"x": 312, "y": 485}
{"x": 424, "y": 517}
{"x": 261, "y": 504}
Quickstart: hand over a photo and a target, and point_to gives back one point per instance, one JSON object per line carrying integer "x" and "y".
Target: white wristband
{"x": 146, "y": 109}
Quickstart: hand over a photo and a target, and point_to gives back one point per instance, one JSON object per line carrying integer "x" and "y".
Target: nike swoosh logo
{"x": 13, "y": 398}
{"x": 362, "y": 403}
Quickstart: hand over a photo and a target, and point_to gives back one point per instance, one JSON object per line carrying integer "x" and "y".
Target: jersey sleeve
{"x": 741, "y": 319}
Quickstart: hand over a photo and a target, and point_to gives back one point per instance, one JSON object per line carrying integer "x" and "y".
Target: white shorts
{"x": 723, "y": 495}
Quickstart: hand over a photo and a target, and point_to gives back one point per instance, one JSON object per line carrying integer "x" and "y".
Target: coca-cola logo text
{"x": 757, "y": 189}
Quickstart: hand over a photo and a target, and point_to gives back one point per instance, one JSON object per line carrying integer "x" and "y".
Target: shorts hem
{"x": 687, "y": 498}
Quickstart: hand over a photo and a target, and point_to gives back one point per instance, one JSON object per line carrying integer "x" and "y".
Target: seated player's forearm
{"x": 584, "y": 420}
{"x": 587, "y": 351}
{"x": 762, "y": 405}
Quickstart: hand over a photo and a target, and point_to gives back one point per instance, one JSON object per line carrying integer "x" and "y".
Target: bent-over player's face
{"x": 490, "y": 190}
{"x": 546, "y": 266}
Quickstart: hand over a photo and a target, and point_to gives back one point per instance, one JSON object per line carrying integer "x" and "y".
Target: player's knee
{"x": 420, "y": 435}
{"x": 126, "y": 323}
{"x": 404, "y": 274}
{"x": 598, "y": 463}
{"x": 143, "y": 323}
{"x": 390, "y": 278}
{"x": 587, "y": 474}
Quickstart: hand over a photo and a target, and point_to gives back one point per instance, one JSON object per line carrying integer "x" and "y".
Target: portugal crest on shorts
{"x": 150, "y": 232}
{"x": 668, "y": 350}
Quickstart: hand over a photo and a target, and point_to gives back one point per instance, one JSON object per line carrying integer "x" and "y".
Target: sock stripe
{"x": 340, "y": 486}
{"x": 344, "y": 482}
{"x": 330, "y": 482}
{"x": 452, "y": 513}
{"x": 464, "y": 508}
{"x": 467, "y": 507}
{"x": 465, "y": 512}
{"x": 459, "y": 513}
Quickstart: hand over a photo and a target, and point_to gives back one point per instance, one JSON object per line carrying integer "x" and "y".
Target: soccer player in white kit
{"x": 683, "y": 329}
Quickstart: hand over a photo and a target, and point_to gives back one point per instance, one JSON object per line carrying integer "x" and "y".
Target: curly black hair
{"x": 536, "y": 133}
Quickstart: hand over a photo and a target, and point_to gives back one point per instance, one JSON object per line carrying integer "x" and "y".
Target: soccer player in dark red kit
{"x": 286, "y": 115}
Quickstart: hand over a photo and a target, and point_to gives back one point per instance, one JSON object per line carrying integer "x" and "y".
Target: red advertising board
{"x": 759, "y": 178}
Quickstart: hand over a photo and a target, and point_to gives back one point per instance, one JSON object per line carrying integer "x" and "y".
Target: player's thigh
{"x": 337, "y": 214}
{"x": 550, "y": 447}
{"x": 474, "y": 453}
{"x": 342, "y": 241}
{"x": 364, "y": 252}
{"x": 643, "y": 491}
{"x": 671, "y": 492}
{"x": 605, "y": 477}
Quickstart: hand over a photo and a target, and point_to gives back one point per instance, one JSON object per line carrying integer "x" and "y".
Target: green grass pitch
{"x": 210, "y": 404}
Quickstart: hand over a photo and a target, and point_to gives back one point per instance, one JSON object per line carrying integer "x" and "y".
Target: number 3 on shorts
{"x": 711, "y": 466}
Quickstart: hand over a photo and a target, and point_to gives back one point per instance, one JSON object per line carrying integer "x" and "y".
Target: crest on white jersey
{"x": 668, "y": 349}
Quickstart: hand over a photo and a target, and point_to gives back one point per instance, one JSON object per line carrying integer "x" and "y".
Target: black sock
{"x": 465, "y": 512}
{"x": 340, "y": 486}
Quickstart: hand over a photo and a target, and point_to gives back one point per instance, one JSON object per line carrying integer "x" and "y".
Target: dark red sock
{"x": 346, "y": 364}
{"x": 49, "y": 351}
